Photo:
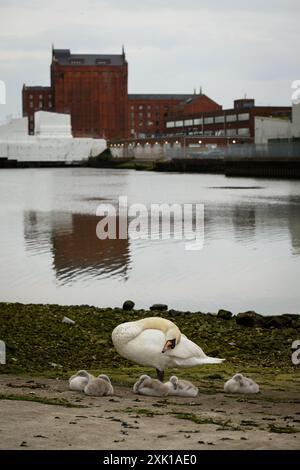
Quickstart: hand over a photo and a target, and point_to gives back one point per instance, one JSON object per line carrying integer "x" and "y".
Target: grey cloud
{"x": 230, "y": 47}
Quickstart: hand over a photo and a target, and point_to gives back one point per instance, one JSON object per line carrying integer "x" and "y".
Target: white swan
{"x": 151, "y": 387}
{"x": 240, "y": 384}
{"x": 78, "y": 381}
{"x": 157, "y": 342}
{"x": 181, "y": 388}
{"x": 99, "y": 386}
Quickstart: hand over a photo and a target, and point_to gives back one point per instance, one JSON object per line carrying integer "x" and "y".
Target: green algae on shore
{"x": 37, "y": 342}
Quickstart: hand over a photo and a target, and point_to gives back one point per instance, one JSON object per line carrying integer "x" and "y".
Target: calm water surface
{"x": 50, "y": 252}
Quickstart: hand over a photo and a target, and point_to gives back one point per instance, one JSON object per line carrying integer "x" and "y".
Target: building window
{"x": 178, "y": 123}
{"x": 197, "y": 122}
{"x": 188, "y": 122}
{"x": 132, "y": 107}
{"x": 244, "y": 131}
{"x": 76, "y": 61}
{"x": 40, "y": 104}
{"x": 50, "y": 104}
{"x": 140, "y": 115}
{"x": 150, "y": 123}
{"x": 209, "y": 120}
{"x": 170, "y": 124}
{"x": 219, "y": 119}
{"x": 149, "y": 106}
{"x": 231, "y": 132}
{"x": 149, "y": 115}
{"x": 141, "y": 106}
{"x": 103, "y": 61}
{"x": 244, "y": 117}
{"x": 231, "y": 118}
{"x": 31, "y": 104}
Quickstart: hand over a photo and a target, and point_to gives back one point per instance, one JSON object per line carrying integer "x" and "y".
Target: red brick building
{"x": 234, "y": 123}
{"x": 36, "y": 98}
{"x": 147, "y": 114}
{"x": 92, "y": 88}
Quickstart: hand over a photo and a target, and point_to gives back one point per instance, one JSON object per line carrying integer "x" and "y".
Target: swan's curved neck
{"x": 166, "y": 326}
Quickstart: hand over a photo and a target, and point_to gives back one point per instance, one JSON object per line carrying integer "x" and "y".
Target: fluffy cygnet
{"x": 99, "y": 386}
{"x": 240, "y": 384}
{"x": 78, "y": 381}
{"x": 181, "y": 388}
{"x": 151, "y": 387}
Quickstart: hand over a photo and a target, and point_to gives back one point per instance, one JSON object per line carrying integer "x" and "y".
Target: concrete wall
{"x": 271, "y": 128}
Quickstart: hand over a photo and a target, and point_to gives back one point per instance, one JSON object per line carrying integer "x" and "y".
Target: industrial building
{"x": 93, "y": 89}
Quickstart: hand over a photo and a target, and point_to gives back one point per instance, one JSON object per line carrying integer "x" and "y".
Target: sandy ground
{"x": 127, "y": 421}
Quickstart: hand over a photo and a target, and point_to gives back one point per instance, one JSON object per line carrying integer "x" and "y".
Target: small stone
{"x": 128, "y": 305}
{"x": 224, "y": 314}
{"x": 159, "y": 307}
{"x": 249, "y": 319}
{"x": 174, "y": 313}
{"x": 280, "y": 321}
{"x": 68, "y": 321}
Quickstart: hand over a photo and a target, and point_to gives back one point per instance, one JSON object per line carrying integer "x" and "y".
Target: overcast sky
{"x": 229, "y": 47}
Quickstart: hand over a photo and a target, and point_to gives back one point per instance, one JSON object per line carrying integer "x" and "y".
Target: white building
{"x": 271, "y": 128}
{"x": 52, "y": 141}
{"x": 275, "y": 128}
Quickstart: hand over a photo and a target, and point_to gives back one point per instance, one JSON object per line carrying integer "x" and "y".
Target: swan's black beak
{"x": 170, "y": 344}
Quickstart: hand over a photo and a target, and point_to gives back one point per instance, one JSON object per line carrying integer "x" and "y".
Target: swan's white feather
{"x": 145, "y": 348}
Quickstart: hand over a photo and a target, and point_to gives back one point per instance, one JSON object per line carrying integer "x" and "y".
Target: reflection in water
{"x": 76, "y": 250}
{"x": 294, "y": 224}
{"x": 78, "y": 253}
{"x": 244, "y": 222}
{"x": 50, "y": 253}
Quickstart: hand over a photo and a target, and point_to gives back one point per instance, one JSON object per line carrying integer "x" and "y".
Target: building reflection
{"x": 77, "y": 253}
{"x": 251, "y": 223}
{"x": 244, "y": 222}
{"x": 75, "y": 248}
{"x": 294, "y": 223}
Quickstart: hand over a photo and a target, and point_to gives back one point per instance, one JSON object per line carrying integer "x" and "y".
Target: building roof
{"x": 160, "y": 97}
{"x": 38, "y": 87}
{"x": 64, "y": 57}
